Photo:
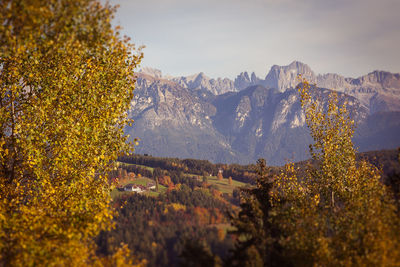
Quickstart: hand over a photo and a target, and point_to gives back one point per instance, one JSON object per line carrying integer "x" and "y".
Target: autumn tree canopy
{"x": 338, "y": 213}
{"x": 335, "y": 212}
{"x": 65, "y": 84}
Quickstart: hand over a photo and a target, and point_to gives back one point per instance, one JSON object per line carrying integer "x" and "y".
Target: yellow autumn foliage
{"x": 65, "y": 86}
{"x": 337, "y": 212}
{"x": 177, "y": 206}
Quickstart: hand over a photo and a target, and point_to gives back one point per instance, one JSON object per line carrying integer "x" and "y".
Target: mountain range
{"x": 241, "y": 120}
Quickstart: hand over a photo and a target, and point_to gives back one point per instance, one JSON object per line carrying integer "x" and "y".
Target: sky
{"x": 223, "y": 38}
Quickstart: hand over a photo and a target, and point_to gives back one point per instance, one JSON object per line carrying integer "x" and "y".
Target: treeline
{"x": 124, "y": 169}
{"x": 243, "y": 173}
{"x": 386, "y": 160}
{"x": 199, "y": 167}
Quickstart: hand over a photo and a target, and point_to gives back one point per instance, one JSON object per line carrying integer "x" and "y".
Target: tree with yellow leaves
{"x": 337, "y": 213}
{"x": 65, "y": 85}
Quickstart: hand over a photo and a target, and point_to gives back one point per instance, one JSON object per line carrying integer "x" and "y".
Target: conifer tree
{"x": 257, "y": 237}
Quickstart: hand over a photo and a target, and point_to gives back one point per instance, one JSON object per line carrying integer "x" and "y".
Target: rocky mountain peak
{"x": 152, "y": 72}
{"x": 200, "y": 81}
{"x": 254, "y": 78}
{"x": 284, "y": 77}
{"x": 383, "y": 78}
{"x": 243, "y": 80}
{"x": 200, "y": 78}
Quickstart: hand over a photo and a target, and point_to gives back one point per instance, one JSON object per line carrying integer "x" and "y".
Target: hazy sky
{"x": 225, "y": 37}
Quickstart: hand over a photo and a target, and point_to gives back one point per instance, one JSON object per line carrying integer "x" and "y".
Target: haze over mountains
{"x": 241, "y": 120}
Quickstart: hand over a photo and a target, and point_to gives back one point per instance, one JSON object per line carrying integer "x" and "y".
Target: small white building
{"x": 133, "y": 188}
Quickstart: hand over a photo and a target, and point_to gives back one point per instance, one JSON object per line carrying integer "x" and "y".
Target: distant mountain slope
{"x": 183, "y": 117}
{"x": 171, "y": 120}
{"x": 267, "y": 123}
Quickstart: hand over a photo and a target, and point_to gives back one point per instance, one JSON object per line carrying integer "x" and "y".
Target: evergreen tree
{"x": 256, "y": 236}
{"x": 197, "y": 254}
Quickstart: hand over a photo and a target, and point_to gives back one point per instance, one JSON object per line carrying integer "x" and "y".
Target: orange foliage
{"x": 166, "y": 180}
{"x": 216, "y": 193}
{"x": 221, "y": 235}
{"x": 202, "y": 215}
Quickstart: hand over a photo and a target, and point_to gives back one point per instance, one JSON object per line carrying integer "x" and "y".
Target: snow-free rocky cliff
{"x": 242, "y": 120}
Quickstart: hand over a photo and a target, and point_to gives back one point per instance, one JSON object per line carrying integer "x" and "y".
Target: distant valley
{"x": 241, "y": 120}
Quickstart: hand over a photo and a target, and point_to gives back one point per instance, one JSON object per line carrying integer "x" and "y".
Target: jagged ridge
{"x": 184, "y": 118}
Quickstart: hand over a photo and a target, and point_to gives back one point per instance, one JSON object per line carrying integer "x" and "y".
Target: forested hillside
{"x": 192, "y": 212}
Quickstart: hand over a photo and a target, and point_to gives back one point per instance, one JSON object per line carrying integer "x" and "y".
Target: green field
{"x": 223, "y": 184}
